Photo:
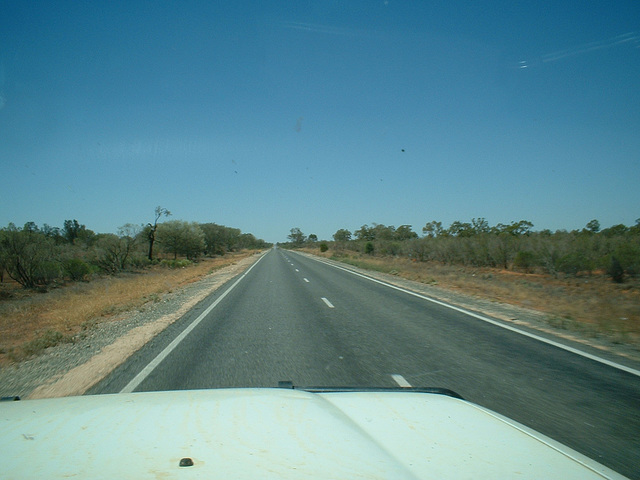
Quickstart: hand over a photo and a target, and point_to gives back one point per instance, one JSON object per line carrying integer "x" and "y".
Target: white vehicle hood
{"x": 275, "y": 433}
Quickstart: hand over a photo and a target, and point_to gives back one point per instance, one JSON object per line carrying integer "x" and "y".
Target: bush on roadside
{"x": 76, "y": 269}
{"x": 368, "y": 248}
{"x": 324, "y": 247}
{"x": 29, "y": 257}
{"x": 525, "y": 260}
{"x": 48, "y": 271}
{"x": 628, "y": 256}
{"x": 139, "y": 261}
{"x": 574, "y": 263}
{"x": 49, "y": 338}
{"x": 615, "y": 270}
{"x": 175, "y": 263}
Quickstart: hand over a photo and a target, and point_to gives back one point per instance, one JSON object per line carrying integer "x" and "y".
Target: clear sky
{"x": 321, "y": 115}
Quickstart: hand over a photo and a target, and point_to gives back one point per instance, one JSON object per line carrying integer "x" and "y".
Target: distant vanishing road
{"x": 292, "y": 317}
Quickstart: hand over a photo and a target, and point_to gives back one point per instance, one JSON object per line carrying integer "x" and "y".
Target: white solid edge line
{"x": 400, "y": 380}
{"x": 144, "y": 373}
{"x": 595, "y": 358}
{"x": 329, "y": 304}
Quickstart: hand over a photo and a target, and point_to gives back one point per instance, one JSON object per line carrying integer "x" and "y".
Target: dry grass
{"x": 30, "y": 321}
{"x": 594, "y": 306}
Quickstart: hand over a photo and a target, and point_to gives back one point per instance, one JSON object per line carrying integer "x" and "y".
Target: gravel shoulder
{"x": 72, "y": 368}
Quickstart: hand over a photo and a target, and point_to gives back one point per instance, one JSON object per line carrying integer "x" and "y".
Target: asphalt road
{"x": 294, "y": 318}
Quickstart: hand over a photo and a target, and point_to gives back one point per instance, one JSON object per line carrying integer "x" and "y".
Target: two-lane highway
{"x": 291, "y": 317}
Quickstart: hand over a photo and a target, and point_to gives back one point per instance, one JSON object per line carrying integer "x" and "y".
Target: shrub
{"x": 324, "y": 247}
{"x": 139, "y": 261}
{"x": 574, "y": 262}
{"x": 628, "y": 256}
{"x": 525, "y": 260}
{"x": 76, "y": 269}
{"x": 176, "y": 263}
{"x": 50, "y": 338}
{"x": 112, "y": 253}
{"x": 27, "y": 257}
{"x": 615, "y": 270}
{"x": 368, "y": 248}
{"x": 48, "y": 271}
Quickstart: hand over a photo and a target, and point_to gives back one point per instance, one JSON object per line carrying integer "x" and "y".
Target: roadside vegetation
{"x": 55, "y": 282}
{"x": 586, "y": 281}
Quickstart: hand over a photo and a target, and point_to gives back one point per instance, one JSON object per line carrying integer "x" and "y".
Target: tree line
{"x": 515, "y": 246}
{"x": 38, "y": 256}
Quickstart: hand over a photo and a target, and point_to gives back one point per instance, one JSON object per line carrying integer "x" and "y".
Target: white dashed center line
{"x": 400, "y": 380}
{"x": 306, "y": 280}
{"x": 297, "y": 270}
{"x": 329, "y": 304}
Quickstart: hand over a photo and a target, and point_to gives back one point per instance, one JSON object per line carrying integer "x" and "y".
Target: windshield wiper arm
{"x": 432, "y": 390}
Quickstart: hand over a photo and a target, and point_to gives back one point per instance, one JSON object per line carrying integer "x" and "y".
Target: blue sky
{"x": 320, "y": 115}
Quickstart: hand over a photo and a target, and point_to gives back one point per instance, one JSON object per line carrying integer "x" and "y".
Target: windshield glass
{"x": 357, "y": 194}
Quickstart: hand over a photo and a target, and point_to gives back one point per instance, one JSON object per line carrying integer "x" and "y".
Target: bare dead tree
{"x": 151, "y": 228}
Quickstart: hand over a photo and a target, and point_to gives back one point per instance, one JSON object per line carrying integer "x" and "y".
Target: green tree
{"x": 502, "y": 248}
{"x": 460, "y": 229}
{"x": 382, "y": 232}
{"x": 593, "y": 226}
{"x": 54, "y": 233}
{"x": 110, "y": 253}
{"x": 615, "y": 270}
{"x": 615, "y": 231}
{"x": 312, "y": 238}
{"x": 76, "y": 269}
{"x": 74, "y": 232}
{"x": 525, "y": 260}
{"x": 220, "y": 239}
{"x": 365, "y": 233}
{"x": 627, "y": 254}
{"x": 342, "y": 235}
{"x": 523, "y": 227}
{"x": 181, "y": 238}
{"x": 296, "y": 236}
{"x": 418, "y": 249}
{"x": 31, "y": 227}
{"x": 194, "y": 245}
{"x": 479, "y": 225}
{"x": 432, "y": 229}
{"x": 404, "y": 232}
{"x": 70, "y": 230}
{"x": 216, "y": 238}
{"x": 233, "y": 238}
{"x": 248, "y": 240}
{"x": 29, "y": 257}
{"x": 369, "y": 248}
{"x": 114, "y": 252}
